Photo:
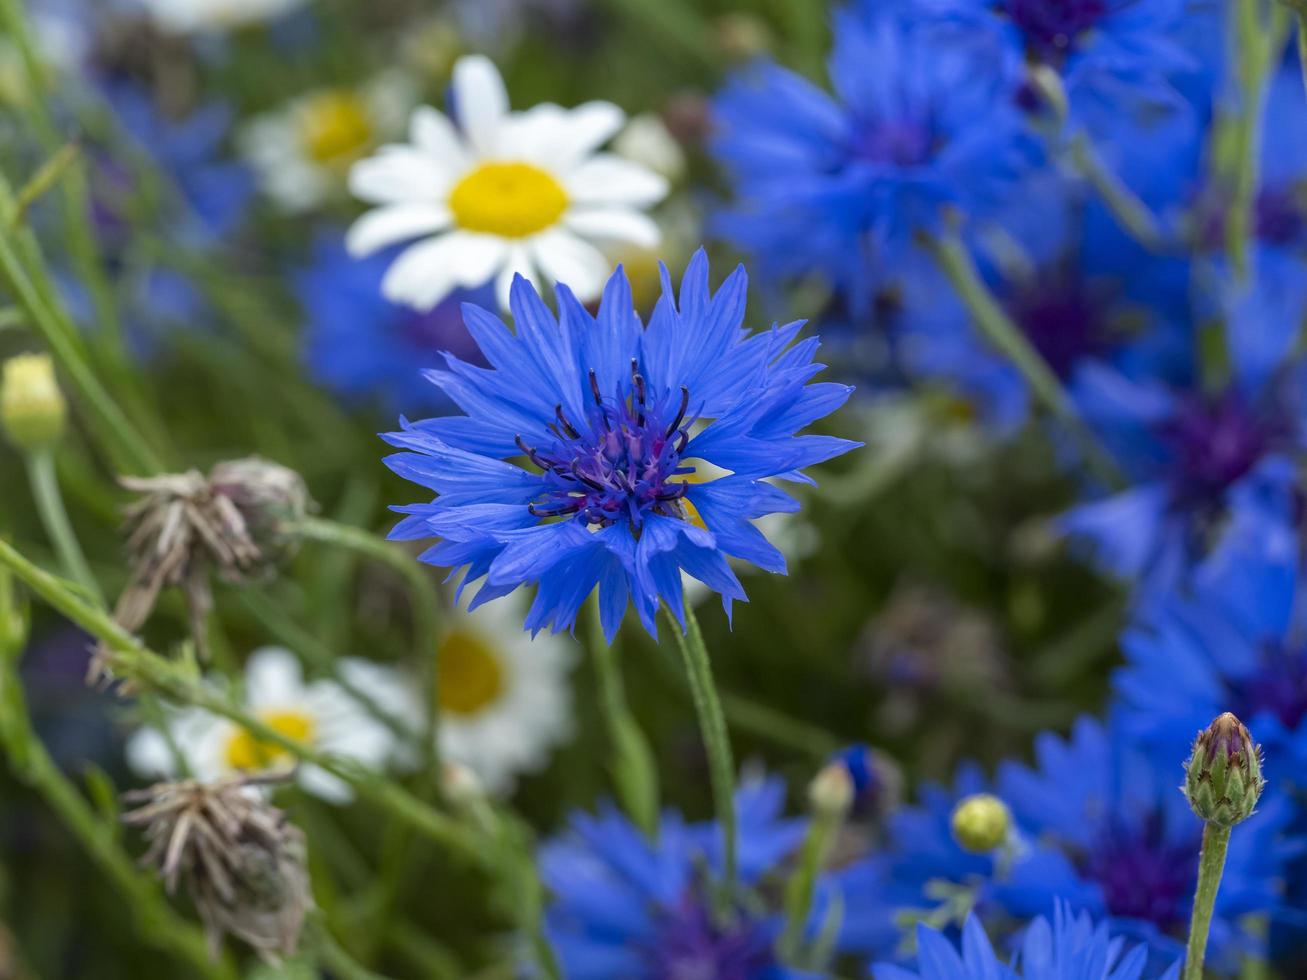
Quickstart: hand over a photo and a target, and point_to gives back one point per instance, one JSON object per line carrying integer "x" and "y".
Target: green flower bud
{"x": 981, "y": 823}
{"x": 32, "y": 408}
{"x": 1223, "y": 777}
{"x": 830, "y": 794}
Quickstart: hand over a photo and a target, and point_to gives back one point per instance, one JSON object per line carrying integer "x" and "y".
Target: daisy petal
{"x": 563, "y": 257}
{"x": 431, "y": 131}
{"x": 426, "y": 272}
{"x": 615, "y": 224}
{"x": 394, "y": 223}
{"x": 480, "y": 101}
{"x": 608, "y": 179}
{"x": 400, "y": 173}
{"x": 586, "y": 128}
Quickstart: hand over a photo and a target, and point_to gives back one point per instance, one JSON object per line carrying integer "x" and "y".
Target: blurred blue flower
{"x": 571, "y": 469}
{"x": 1108, "y": 53}
{"x": 1070, "y": 948}
{"x": 628, "y": 906}
{"x": 366, "y": 348}
{"x": 836, "y": 185}
{"x": 1109, "y": 810}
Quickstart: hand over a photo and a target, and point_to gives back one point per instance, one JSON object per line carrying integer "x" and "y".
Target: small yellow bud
{"x": 981, "y": 823}
{"x": 831, "y": 791}
{"x": 32, "y": 408}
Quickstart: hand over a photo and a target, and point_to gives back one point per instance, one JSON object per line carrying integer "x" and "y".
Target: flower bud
{"x": 32, "y": 408}
{"x": 830, "y": 794}
{"x": 981, "y": 823}
{"x": 1223, "y": 777}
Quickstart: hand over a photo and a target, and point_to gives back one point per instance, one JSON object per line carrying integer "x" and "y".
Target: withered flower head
{"x": 185, "y": 525}
{"x": 242, "y": 863}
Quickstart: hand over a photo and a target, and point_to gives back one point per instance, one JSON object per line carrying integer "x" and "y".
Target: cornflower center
{"x": 901, "y": 142}
{"x": 246, "y": 752}
{"x": 1142, "y": 874}
{"x": 621, "y": 462}
{"x": 1052, "y": 28}
{"x": 1213, "y": 444}
{"x": 691, "y": 946}
{"x": 512, "y": 200}
{"x": 1064, "y": 318}
{"x": 335, "y": 128}
{"x": 471, "y": 674}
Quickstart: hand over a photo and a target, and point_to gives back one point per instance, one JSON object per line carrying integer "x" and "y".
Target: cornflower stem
{"x": 802, "y": 885}
{"x": 634, "y": 770}
{"x": 717, "y": 743}
{"x": 1258, "y": 45}
{"x": 332, "y": 956}
{"x": 1130, "y": 212}
{"x": 956, "y": 263}
{"x": 424, "y": 603}
{"x": 1211, "y": 864}
{"x": 159, "y": 925}
{"x": 54, "y": 518}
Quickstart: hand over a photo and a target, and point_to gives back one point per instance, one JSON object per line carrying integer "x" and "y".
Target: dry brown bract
{"x": 185, "y": 525}
{"x": 242, "y": 863}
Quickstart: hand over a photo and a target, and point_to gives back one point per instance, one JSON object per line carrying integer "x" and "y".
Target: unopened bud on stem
{"x": 981, "y": 823}
{"x": 1223, "y": 777}
{"x": 32, "y": 408}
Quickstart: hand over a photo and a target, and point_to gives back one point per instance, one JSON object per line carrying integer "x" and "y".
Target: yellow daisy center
{"x": 471, "y": 674}
{"x": 335, "y": 128}
{"x": 511, "y": 200}
{"x": 246, "y": 752}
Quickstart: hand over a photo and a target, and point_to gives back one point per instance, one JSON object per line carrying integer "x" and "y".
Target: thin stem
{"x": 54, "y": 517}
{"x": 159, "y": 925}
{"x": 1130, "y": 212}
{"x": 424, "y": 604}
{"x": 955, "y": 262}
{"x": 634, "y": 769}
{"x": 716, "y": 741}
{"x": 822, "y": 831}
{"x": 1211, "y": 864}
{"x": 332, "y": 956}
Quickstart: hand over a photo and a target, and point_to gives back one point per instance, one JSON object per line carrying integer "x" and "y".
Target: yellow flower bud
{"x": 981, "y": 823}
{"x": 32, "y": 408}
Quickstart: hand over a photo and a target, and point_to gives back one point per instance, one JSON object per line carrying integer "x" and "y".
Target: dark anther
{"x": 530, "y": 453}
{"x": 558, "y": 511}
{"x": 682, "y": 442}
{"x": 594, "y": 390}
{"x": 588, "y": 481}
{"x": 680, "y": 415}
{"x": 567, "y": 426}
{"x": 675, "y": 491}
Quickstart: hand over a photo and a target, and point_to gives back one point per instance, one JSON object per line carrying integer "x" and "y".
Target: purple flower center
{"x": 1052, "y": 27}
{"x": 1279, "y": 217}
{"x": 620, "y": 462}
{"x": 1278, "y": 687}
{"x": 902, "y": 143}
{"x": 1064, "y": 318}
{"x": 1213, "y": 444}
{"x": 1142, "y": 874}
{"x": 439, "y": 329}
{"x": 691, "y": 946}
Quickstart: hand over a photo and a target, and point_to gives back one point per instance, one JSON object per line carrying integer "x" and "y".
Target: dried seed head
{"x": 242, "y": 864}
{"x": 184, "y": 526}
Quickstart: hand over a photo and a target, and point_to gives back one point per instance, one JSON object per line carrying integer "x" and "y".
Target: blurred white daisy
{"x": 193, "y": 16}
{"x": 502, "y": 193}
{"x": 320, "y": 713}
{"x": 505, "y": 699}
{"x": 302, "y": 153}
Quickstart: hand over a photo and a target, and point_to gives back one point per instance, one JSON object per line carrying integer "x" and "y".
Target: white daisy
{"x": 505, "y": 700}
{"x": 502, "y": 193}
{"x": 303, "y": 152}
{"x": 320, "y": 713}
{"x": 194, "y": 16}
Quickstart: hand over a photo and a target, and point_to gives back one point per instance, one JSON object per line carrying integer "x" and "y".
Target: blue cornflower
{"x": 1070, "y": 948}
{"x": 628, "y": 906}
{"x": 1235, "y": 643}
{"x": 364, "y": 347}
{"x": 1098, "y": 825}
{"x": 1197, "y": 455}
{"x": 572, "y": 468}
{"x": 836, "y": 185}
{"x": 1105, "y": 51}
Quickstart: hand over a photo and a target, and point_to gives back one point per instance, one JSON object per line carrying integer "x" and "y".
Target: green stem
{"x": 332, "y": 956}
{"x": 716, "y": 741}
{"x": 822, "y": 831}
{"x": 634, "y": 770}
{"x": 1211, "y": 864}
{"x": 955, "y": 262}
{"x": 54, "y": 517}
{"x": 424, "y": 603}
{"x": 1130, "y": 212}
{"x": 158, "y": 924}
